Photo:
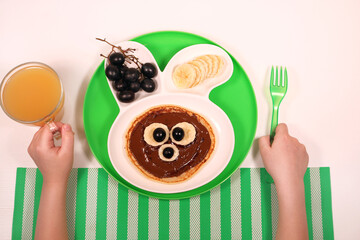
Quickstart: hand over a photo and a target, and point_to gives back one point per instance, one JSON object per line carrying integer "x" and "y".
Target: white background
{"x": 318, "y": 41}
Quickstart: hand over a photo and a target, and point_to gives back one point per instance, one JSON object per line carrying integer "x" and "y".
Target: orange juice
{"x": 32, "y": 94}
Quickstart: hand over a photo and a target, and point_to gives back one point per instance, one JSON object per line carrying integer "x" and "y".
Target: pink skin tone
{"x": 286, "y": 160}
{"x": 55, "y": 164}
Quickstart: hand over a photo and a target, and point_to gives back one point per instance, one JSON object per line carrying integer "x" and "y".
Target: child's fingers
{"x": 59, "y": 125}
{"x": 41, "y": 141}
{"x": 47, "y": 134}
{"x": 67, "y": 139}
{"x": 281, "y": 129}
{"x": 45, "y": 137}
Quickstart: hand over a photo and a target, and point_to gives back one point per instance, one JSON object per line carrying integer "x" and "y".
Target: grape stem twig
{"x": 128, "y": 53}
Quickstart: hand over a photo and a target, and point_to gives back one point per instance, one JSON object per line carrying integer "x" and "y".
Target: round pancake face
{"x": 169, "y": 143}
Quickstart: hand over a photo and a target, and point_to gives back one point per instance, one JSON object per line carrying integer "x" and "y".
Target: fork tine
{"x": 272, "y": 76}
{"x": 281, "y": 77}
{"x": 285, "y": 78}
{"x": 277, "y": 77}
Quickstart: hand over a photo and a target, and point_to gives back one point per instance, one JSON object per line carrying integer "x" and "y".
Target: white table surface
{"x": 318, "y": 41}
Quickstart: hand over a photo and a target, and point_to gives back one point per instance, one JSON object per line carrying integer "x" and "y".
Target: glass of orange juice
{"x": 32, "y": 93}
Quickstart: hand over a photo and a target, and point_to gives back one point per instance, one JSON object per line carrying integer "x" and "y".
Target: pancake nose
{"x": 168, "y": 152}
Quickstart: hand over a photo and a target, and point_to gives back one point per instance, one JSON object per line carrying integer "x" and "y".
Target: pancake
{"x": 190, "y": 156}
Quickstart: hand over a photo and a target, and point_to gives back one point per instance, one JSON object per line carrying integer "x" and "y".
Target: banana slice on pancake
{"x": 197, "y": 71}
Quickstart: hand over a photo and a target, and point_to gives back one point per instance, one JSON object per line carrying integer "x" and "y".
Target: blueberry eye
{"x": 159, "y": 134}
{"x": 183, "y": 133}
{"x": 156, "y": 134}
{"x": 178, "y": 133}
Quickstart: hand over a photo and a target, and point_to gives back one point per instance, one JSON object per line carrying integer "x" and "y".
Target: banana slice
{"x": 168, "y": 152}
{"x": 203, "y": 69}
{"x": 183, "y": 133}
{"x": 206, "y": 67}
{"x": 220, "y": 65}
{"x": 156, "y": 134}
{"x": 196, "y": 71}
{"x": 215, "y": 65}
{"x": 208, "y": 61}
{"x": 184, "y": 75}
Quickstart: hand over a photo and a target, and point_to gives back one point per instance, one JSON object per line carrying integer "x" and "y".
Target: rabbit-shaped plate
{"x": 166, "y": 93}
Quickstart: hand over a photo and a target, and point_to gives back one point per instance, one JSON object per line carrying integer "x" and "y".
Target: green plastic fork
{"x": 278, "y": 88}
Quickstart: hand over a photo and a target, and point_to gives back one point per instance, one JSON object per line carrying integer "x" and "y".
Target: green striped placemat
{"x": 243, "y": 207}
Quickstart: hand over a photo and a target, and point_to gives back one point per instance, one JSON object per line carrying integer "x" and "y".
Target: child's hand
{"x": 286, "y": 159}
{"x": 54, "y": 162}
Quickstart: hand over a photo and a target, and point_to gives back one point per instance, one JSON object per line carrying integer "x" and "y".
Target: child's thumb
{"x": 67, "y": 139}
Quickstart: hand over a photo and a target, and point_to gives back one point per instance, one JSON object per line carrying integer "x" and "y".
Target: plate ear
{"x": 197, "y": 69}
{"x": 140, "y": 55}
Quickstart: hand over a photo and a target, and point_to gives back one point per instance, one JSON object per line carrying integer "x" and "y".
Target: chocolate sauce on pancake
{"x": 191, "y": 156}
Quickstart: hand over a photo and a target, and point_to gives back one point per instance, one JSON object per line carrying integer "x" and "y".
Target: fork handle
{"x": 274, "y": 123}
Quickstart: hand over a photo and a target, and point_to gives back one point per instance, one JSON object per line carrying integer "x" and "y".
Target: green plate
{"x": 235, "y": 97}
